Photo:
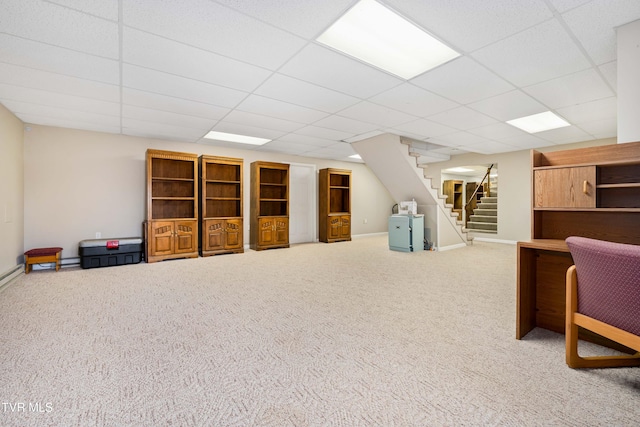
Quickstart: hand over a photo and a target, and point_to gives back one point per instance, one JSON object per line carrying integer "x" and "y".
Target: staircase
{"x": 485, "y": 215}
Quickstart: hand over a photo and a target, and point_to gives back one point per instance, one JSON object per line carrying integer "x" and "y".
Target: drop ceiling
{"x": 178, "y": 69}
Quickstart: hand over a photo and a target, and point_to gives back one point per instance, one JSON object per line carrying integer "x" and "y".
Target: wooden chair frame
{"x": 575, "y": 320}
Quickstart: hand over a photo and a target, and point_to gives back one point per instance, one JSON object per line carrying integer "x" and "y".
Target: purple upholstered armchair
{"x": 603, "y": 296}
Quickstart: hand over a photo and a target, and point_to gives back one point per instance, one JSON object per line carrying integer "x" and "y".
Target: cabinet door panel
{"x": 282, "y": 231}
{"x": 161, "y": 237}
{"x": 572, "y": 187}
{"x": 335, "y": 227}
{"x": 186, "y": 236}
{"x": 214, "y": 234}
{"x": 233, "y": 234}
{"x": 266, "y": 234}
{"x": 345, "y": 226}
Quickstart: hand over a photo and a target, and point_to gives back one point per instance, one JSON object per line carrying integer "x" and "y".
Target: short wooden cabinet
{"x": 171, "y": 226}
{"x": 453, "y": 189}
{"x": 334, "y": 205}
{"x": 590, "y": 192}
{"x": 221, "y": 205}
{"x": 269, "y": 208}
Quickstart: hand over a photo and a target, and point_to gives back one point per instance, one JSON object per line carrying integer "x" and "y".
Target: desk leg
{"x": 526, "y": 292}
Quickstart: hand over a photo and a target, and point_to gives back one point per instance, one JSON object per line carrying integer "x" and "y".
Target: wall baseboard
{"x": 450, "y": 247}
{"x": 489, "y": 240}
{"x": 8, "y": 276}
{"x": 64, "y": 263}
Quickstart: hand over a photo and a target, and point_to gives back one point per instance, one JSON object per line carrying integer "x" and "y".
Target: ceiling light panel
{"x": 539, "y": 122}
{"x": 230, "y": 137}
{"x": 380, "y": 37}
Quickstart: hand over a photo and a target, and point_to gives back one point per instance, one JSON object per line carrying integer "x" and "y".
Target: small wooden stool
{"x": 41, "y": 256}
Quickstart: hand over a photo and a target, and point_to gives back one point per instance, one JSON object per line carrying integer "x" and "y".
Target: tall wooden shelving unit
{"x": 335, "y": 205}
{"x": 220, "y": 205}
{"x": 171, "y": 227}
{"x": 591, "y": 192}
{"x": 269, "y": 209}
{"x": 452, "y": 188}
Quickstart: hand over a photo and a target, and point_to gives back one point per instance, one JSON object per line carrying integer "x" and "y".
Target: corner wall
{"x": 80, "y": 182}
{"x": 11, "y": 191}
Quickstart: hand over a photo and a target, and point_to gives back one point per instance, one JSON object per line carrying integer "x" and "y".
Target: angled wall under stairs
{"x": 391, "y": 161}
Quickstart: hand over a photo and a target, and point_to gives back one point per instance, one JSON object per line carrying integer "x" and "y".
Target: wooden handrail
{"x": 486, "y": 176}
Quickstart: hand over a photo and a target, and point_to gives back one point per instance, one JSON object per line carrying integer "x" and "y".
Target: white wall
{"x": 628, "y": 83}
{"x": 78, "y": 183}
{"x": 514, "y": 185}
{"x": 11, "y": 191}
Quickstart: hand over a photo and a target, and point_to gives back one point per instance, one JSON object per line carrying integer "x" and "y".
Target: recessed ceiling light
{"x": 232, "y": 137}
{"x": 355, "y": 156}
{"x": 539, "y": 122}
{"x": 458, "y": 170}
{"x": 376, "y": 35}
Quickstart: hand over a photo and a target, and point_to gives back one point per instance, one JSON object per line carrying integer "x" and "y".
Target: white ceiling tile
{"x": 173, "y": 119}
{"x": 147, "y": 129}
{"x": 604, "y": 128}
{"x": 510, "y": 105}
{"x": 413, "y": 100}
{"x": 280, "y": 109}
{"x": 41, "y": 56}
{"x": 167, "y": 84}
{"x": 309, "y": 141}
{"x": 565, "y": 135}
{"x": 318, "y": 132}
{"x": 591, "y": 111}
{"x": 469, "y": 25}
{"x": 463, "y": 80}
{"x": 280, "y": 146}
{"x": 594, "y": 24}
{"x": 462, "y": 118}
{"x": 171, "y": 104}
{"x": 67, "y": 115}
{"x": 261, "y": 121}
{"x": 345, "y": 125}
{"x": 423, "y": 129}
{"x": 372, "y": 113}
{"x": 107, "y": 9}
{"x": 488, "y": 147}
{"x": 610, "y": 72}
{"x": 565, "y": 5}
{"x": 49, "y": 23}
{"x": 215, "y": 28}
{"x": 103, "y": 126}
{"x": 577, "y": 88}
{"x": 459, "y": 139}
{"x": 51, "y": 99}
{"x": 305, "y": 94}
{"x": 496, "y": 131}
{"x": 160, "y": 54}
{"x": 525, "y": 141}
{"x": 537, "y": 54}
{"x": 334, "y": 151}
{"x": 333, "y": 70}
{"x": 59, "y": 83}
{"x": 307, "y": 18}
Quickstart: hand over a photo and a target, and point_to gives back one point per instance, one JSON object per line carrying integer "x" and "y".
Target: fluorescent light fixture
{"x": 232, "y": 137}
{"x": 458, "y": 170}
{"x": 374, "y": 34}
{"x": 355, "y": 156}
{"x": 539, "y": 122}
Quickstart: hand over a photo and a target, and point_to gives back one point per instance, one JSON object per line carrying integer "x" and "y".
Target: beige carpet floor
{"x": 344, "y": 334}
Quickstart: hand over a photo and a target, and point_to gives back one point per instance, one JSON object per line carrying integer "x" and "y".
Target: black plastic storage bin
{"x": 108, "y": 252}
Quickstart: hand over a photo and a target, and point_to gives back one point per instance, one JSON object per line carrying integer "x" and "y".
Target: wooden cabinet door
{"x": 334, "y": 228}
{"x": 266, "y": 231}
{"x": 213, "y": 235}
{"x": 233, "y": 234}
{"x": 572, "y": 187}
{"x": 161, "y": 241}
{"x": 186, "y": 236}
{"x": 345, "y": 226}
{"x": 281, "y": 231}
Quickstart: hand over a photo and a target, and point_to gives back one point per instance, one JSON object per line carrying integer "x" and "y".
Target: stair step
{"x": 485, "y": 212}
{"x": 472, "y": 225}
{"x": 492, "y": 199}
{"x": 483, "y": 218}
{"x": 483, "y": 205}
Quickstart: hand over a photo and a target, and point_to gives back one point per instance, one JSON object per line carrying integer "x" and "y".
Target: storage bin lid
{"x": 92, "y": 243}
